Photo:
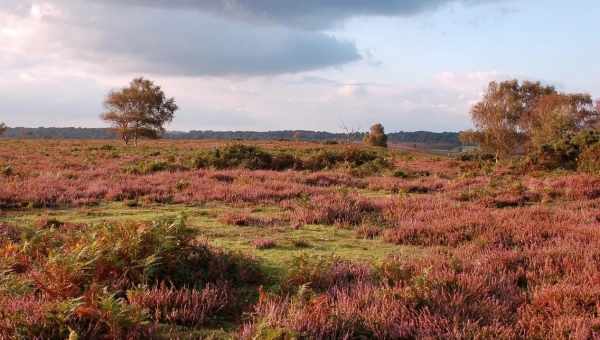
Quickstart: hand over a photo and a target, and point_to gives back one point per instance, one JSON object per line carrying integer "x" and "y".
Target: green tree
{"x": 3, "y": 128}
{"x": 376, "y": 136}
{"x": 140, "y": 110}
{"x": 516, "y": 117}
{"x": 498, "y": 116}
{"x": 559, "y": 115}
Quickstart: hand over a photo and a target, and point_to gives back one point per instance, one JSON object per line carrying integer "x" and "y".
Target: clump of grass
{"x": 300, "y": 243}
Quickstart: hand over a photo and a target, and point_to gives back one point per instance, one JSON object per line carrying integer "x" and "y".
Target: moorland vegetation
{"x": 300, "y": 240}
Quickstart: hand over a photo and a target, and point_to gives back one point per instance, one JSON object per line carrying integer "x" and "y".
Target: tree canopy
{"x": 3, "y": 128}
{"x": 516, "y": 117}
{"x": 140, "y": 110}
{"x": 376, "y": 136}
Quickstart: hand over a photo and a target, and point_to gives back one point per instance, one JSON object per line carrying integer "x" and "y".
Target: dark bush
{"x": 476, "y": 156}
{"x": 148, "y": 167}
{"x": 254, "y": 158}
{"x": 569, "y": 152}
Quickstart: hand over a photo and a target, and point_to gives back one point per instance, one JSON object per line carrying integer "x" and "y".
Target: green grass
{"x": 321, "y": 240}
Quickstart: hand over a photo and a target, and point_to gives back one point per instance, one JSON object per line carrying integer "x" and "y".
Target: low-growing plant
{"x": 300, "y": 243}
{"x": 77, "y": 278}
{"x": 264, "y": 243}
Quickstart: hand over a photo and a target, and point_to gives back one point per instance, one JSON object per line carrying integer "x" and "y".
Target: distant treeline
{"x": 419, "y": 137}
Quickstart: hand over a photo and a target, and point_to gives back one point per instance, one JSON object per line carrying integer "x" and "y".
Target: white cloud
{"x": 59, "y": 58}
{"x": 353, "y": 90}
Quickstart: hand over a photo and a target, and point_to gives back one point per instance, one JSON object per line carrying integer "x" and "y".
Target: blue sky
{"x": 273, "y": 64}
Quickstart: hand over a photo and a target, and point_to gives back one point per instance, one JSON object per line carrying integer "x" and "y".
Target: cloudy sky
{"x": 289, "y": 64}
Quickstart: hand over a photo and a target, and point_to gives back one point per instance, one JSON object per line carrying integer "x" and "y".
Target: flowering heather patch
{"x": 331, "y": 179}
{"x": 58, "y": 279}
{"x": 478, "y": 250}
{"x": 63, "y": 174}
{"x": 321, "y": 273}
{"x": 341, "y": 209}
{"x": 264, "y": 243}
{"x": 452, "y": 296}
{"x": 187, "y": 307}
{"x": 367, "y": 231}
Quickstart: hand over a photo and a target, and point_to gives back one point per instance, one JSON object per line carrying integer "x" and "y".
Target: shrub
{"x": 149, "y": 167}
{"x": 300, "y": 243}
{"x": 352, "y": 157}
{"x": 368, "y": 231}
{"x": 476, "y": 156}
{"x": 7, "y": 170}
{"x": 264, "y": 243}
{"x": 589, "y": 160}
{"x": 186, "y": 307}
{"x": 321, "y": 273}
{"x": 341, "y": 209}
{"x": 376, "y": 137}
{"x": 238, "y": 156}
{"x": 400, "y": 174}
{"x": 569, "y": 152}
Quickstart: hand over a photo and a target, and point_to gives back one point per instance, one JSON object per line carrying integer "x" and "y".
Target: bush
{"x": 148, "y": 167}
{"x": 264, "y": 243}
{"x": 569, "y": 152}
{"x": 240, "y": 156}
{"x": 321, "y": 273}
{"x": 254, "y": 158}
{"x": 476, "y": 156}
{"x": 589, "y": 160}
{"x": 376, "y": 137}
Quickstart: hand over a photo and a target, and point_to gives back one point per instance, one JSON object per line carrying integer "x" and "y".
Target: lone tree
{"x": 518, "y": 117}
{"x": 3, "y": 128}
{"x": 376, "y": 136}
{"x": 140, "y": 110}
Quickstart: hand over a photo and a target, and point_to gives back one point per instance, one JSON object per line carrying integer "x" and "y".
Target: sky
{"x": 335, "y": 65}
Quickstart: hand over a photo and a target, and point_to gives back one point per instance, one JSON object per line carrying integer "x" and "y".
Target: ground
{"x": 314, "y": 241}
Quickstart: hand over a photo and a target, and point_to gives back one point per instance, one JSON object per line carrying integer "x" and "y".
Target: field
{"x": 286, "y": 240}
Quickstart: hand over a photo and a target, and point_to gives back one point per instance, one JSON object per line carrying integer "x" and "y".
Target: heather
{"x": 106, "y": 241}
{"x": 115, "y": 280}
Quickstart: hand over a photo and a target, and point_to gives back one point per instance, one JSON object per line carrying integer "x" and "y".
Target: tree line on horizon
{"x": 449, "y": 139}
{"x": 512, "y": 119}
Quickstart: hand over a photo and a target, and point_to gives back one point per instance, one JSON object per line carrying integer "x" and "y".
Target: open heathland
{"x": 292, "y": 240}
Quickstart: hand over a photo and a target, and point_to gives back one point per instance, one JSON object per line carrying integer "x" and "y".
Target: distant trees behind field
{"x": 3, "y": 128}
{"x": 528, "y": 118}
{"x": 448, "y": 139}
